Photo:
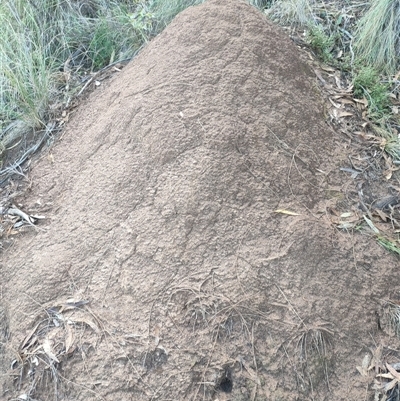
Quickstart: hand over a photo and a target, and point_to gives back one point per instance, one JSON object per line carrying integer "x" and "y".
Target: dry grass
{"x": 309, "y": 352}
{"x": 314, "y": 355}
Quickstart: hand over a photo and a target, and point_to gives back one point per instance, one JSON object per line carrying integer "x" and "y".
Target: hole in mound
{"x": 226, "y": 383}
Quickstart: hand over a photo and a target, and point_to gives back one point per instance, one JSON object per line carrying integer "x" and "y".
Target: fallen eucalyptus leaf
{"x": 288, "y": 212}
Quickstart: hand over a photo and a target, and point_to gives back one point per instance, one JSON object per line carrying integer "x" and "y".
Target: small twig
{"x": 19, "y": 213}
{"x": 291, "y": 306}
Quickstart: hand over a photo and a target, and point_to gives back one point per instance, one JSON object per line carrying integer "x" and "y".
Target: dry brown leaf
{"x": 333, "y": 211}
{"x": 371, "y": 225}
{"x": 157, "y": 335}
{"x": 319, "y": 76}
{"x": 366, "y": 361}
{"x": 347, "y": 90}
{"x": 334, "y": 219}
{"x": 288, "y": 212}
{"x": 363, "y": 369}
{"x": 382, "y": 215}
{"x": 28, "y": 337}
{"x": 48, "y": 349}
{"x": 376, "y": 359}
{"x": 362, "y": 135}
{"x": 393, "y": 371}
{"x": 390, "y": 385}
{"x": 361, "y": 372}
{"x": 69, "y": 341}
{"x": 337, "y": 114}
{"x": 343, "y": 113}
{"x": 337, "y": 105}
{"x": 385, "y": 376}
{"x": 346, "y": 225}
{"x": 72, "y": 304}
{"x": 346, "y": 101}
{"x": 352, "y": 219}
{"x": 393, "y": 375}
{"x": 89, "y": 322}
{"x": 363, "y": 102}
{"x": 345, "y": 98}
{"x": 388, "y": 174}
{"x": 327, "y": 68}
{"x": 348, "y": 217}
{"x": 338, "y": 83}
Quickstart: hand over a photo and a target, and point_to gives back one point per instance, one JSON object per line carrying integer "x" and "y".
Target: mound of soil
{"x": 186, "y": 252}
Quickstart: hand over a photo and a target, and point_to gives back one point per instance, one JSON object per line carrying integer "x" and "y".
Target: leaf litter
{"x": 53, "y": 340}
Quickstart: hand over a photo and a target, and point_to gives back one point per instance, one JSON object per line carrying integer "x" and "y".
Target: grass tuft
{"x": 292, "y": 12}
{"x": 321, "y": 42}
{"x": 367, "y": 84}
{"x": 26, "y": 65}
{"x": 390, "y": 140}
{"x": 165, "y": 10}
{"x": 378, "y": 36}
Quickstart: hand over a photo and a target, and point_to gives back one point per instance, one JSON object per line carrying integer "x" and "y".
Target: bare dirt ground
{"x": 164, "y": 269}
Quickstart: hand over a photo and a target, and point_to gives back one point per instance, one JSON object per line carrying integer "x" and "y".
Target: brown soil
{"x": 160, "y": 204}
